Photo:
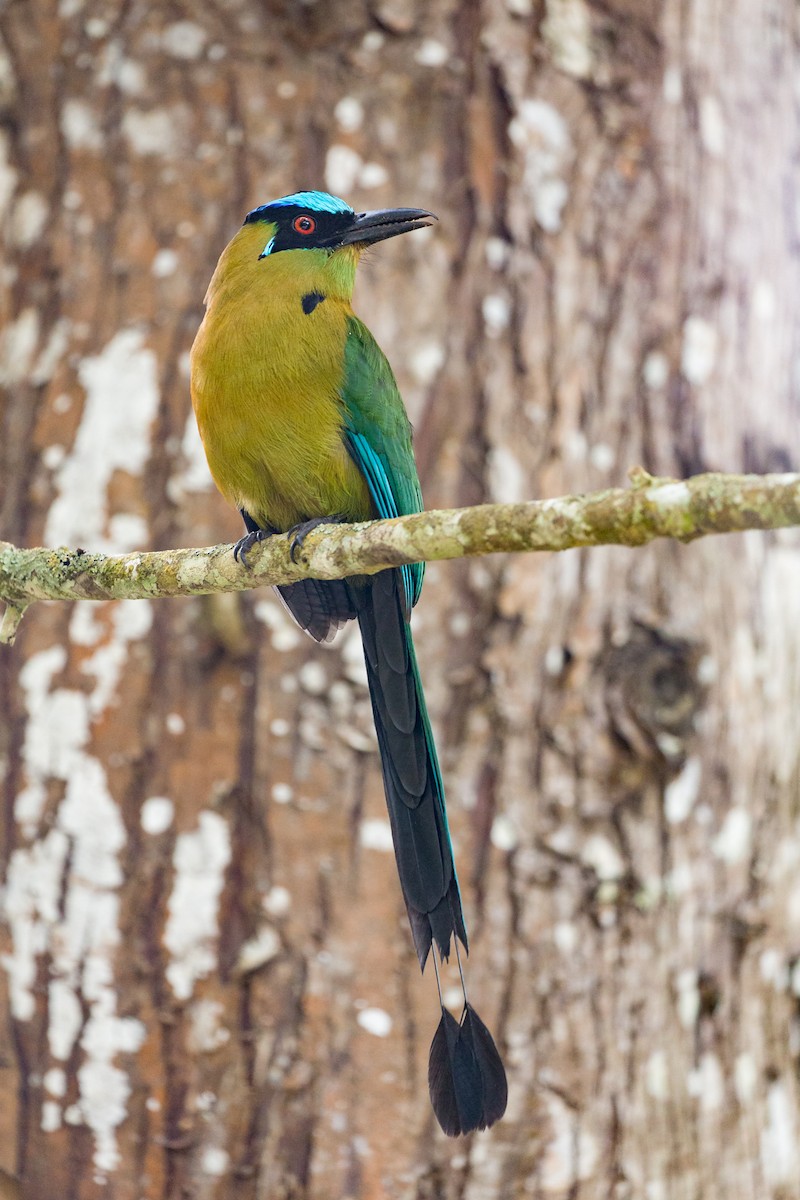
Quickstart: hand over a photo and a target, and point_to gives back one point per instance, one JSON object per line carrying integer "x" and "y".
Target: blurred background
{"x": 209, "y": 989}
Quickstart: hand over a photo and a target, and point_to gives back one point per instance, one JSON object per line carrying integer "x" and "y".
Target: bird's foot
{"x": 298, "y": 533}
{"x": 245, "y": 544}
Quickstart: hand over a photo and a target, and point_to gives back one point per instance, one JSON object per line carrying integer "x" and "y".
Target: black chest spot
{"x": 310, "y": 301}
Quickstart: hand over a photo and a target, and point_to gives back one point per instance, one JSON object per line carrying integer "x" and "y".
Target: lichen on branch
{"x": 650, "y": 508}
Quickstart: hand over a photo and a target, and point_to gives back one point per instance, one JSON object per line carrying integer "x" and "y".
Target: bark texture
{"x": 209, "y": 987}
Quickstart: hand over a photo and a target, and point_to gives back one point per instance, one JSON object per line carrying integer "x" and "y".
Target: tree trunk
{"x": 210, "y": 989}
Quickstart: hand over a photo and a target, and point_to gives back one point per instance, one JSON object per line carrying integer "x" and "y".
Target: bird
{"x": 303, "y": 424}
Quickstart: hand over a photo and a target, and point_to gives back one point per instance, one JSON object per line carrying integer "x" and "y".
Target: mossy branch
{"x": 651, "y": 508}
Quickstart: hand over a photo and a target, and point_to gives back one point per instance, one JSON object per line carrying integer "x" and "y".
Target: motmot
{"x": 303, "y": 424}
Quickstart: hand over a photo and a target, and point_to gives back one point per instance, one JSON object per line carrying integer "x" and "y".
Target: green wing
{"x": 378, "y": 436}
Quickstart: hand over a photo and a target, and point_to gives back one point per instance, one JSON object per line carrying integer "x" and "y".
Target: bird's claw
{"x": 297, "y": 535}
{"x": 245, "y": 545}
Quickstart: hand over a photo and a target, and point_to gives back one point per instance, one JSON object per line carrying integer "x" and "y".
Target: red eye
{"x": 304, "y": 225}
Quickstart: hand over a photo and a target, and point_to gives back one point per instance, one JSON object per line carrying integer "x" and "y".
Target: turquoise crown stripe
{"x": 316, "y": 201}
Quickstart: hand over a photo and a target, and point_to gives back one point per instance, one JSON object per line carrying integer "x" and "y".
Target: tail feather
{"x": 466, "y": 1078}
{"x": 387, "y": 660}
{"x": 411, "y": 775}
{"x": 454, "y": 1079}
{"x": 320, "y": 606}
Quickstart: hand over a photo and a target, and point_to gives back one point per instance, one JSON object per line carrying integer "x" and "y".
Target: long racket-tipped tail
{"x": 466, "y": 1078}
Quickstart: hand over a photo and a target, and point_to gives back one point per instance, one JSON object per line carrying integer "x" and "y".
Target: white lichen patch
{"x": 764, "y": 301}
{"x": 199, "y": 862}
{"x": 114, "y": 434}
{"x": 376, "y": 834}
{"x": 105, "y": 1088}
{"x": 194, "y": 475}
{"x": 682, "y": 792}
{"x": 52, "y": 352}
{"x": 342, "y": 168}
{"x": 114, "y": 69}
{"x": 655, "y": 370}
{"x": 706, "y": 1083}
{"x": 80, "y": 126}
{"x": 285, "y": 634}
{"x": 282, "y": 793}
{"x": 175, "y": 724}
{"x": 278, "y": 901}
{"x": 541, "y": 134}
{"x": 602, "y": 456}
{"x": 55, "y": 1081}
{"x": 745, "y": 1077}
{"x": 62, "y": 899}
{"x": 496, "y": 311}
{"x": 313, "y": 678}
{"x": 206, "y": 1030}
{"x": 184, "y": 39}
{"x": 571, "y": 1152}
{"x": 566, "y": 31}
{"x": 601, "y": 854}
{"x": 504, "y": 834}
{"x": 698, "y": 349}
{"x": 780, "y": 1160}
{"x": 374, "y": 175}
{"x": 712, "y": 125}
{"x": 688, "y": 998}
{"x": 158, "y": 813}
{"x": 352, "y": 656}
{"x": 498, "y": 253}
{"x": 426, "y": 361}
{"x": 732, "y": 843}
{"x": 257, "y": 951}
{"x": 669, "y": 495}
{"x": 656, "y": 1075}
{"x": 31, "y": 906}
{"x": 28, "y": 218}
{"x": 214, "y": 1161}
{"x": 8, "y": 174}
{"x": 55, "y": 733}
{"x": 18, "y": 341}
{"x": 672, "y": 85}
{"x": 165, "y": 262}
{"x": 375, "y": 1021}
{"x": 155, "y": 131}
{"x": 349, "y": 114}
{"x": 508, "y": 481}
{"x": 66, "y": 1018}
{"x": 431, "y": 53}
{"x": 53, "y": 456}
{"x": 772, "y": 968}
{"x": 130, "y": 621}
{"x": 51, "y": 1116}
{"x": 779, "y": 668}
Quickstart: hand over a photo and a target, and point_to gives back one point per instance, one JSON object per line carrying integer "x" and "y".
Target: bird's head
{"x": 309, "y": 241}
{"x": 321, "y": 222}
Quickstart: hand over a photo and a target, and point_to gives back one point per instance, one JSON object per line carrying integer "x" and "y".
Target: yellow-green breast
{"x": 266, "y": 376}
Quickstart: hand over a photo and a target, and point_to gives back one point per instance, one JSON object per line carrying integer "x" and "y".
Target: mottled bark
{"x": 209, "y": 986}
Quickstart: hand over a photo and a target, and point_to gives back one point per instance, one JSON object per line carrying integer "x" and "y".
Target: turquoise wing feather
{"x": 378, "y": 436}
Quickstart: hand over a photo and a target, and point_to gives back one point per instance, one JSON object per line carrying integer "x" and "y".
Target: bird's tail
{"x": 465, "y": 1073}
